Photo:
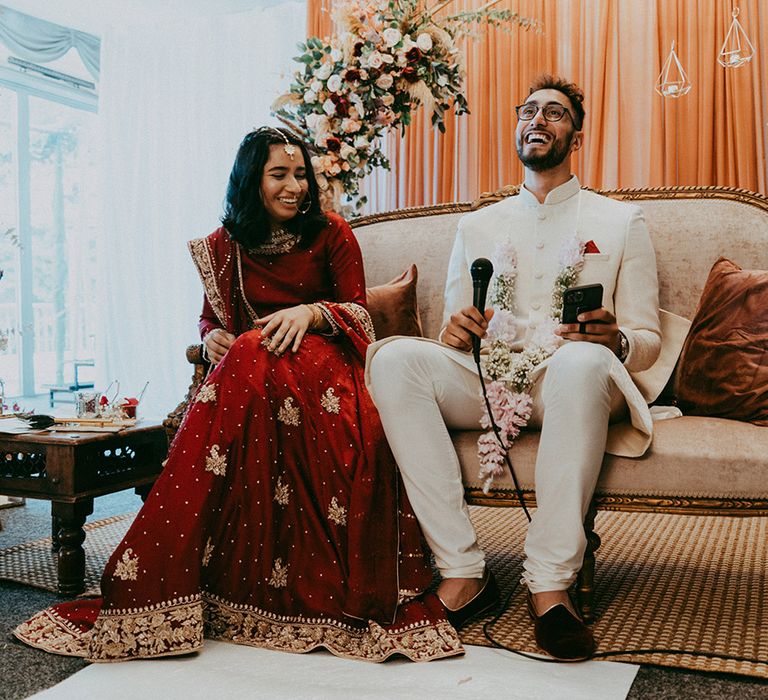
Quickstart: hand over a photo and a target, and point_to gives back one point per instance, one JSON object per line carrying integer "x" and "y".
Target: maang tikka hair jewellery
{"x": 289, "y": 148}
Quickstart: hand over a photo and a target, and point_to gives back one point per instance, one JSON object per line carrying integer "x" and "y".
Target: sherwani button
{"x": 538, "y": 275}
{"x": 535, "y": 307}
{"x": 541, "y": 216}
{"x": 540, "y": 245}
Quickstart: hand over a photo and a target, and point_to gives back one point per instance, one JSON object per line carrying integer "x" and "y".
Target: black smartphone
{"x": 577, "y": 300}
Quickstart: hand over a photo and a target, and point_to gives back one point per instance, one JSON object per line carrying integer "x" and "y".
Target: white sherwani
{"x": 423, "y": 388}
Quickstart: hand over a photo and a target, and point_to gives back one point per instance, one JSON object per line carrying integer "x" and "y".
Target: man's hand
{"x": 463, "y": 325}
{"x": 217, "y": 342}
{"x": 285, "y": 328}
{"x": 598, "y": 326}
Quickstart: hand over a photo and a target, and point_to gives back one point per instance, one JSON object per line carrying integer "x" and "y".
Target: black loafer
{"x": 561, "y": 634}
{"x": 483, "y": 603}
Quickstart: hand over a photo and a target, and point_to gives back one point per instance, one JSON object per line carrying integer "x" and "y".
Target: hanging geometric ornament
{"x": 673, "y": 82}
{"x": 737, "y": 48}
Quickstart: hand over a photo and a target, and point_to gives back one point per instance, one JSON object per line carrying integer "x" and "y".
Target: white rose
{"x": 310, "y": 97}
{"x": 361, "y": 142}
{"x": 384, "y": 81}
{"x": 391, "y": 36}
{"x": 347, "y": 151}
{"x": 324, "y": 72}
{"x": 375, "y": 60}
{"x": 387, "y": 58}
{"x": 349, "y": 126}
{"x": 334, "y": 83}
{"x": 388, "y": 99}
{"x": 336, "y": 54}
{"x": 408, "y": 43}
{"x": 424, "y": 41}
{"x": 316, "y": 86}
{"x": 328, "y": 107}
{"x": 317, "y": 163}
{"x": 442, "y": 80}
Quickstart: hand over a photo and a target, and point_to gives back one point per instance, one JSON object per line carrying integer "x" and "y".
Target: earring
{"x": 308, "y": 202}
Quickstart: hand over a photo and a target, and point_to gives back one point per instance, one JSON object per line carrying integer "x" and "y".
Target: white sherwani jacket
{"x": 625, "y": 266}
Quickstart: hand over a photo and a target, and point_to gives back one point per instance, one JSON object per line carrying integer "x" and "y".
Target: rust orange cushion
{"x": 723, "y": 368}
{"x": 393, "y": 306}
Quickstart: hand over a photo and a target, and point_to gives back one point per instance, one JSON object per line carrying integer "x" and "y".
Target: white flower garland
{"x": 509, "y": 371}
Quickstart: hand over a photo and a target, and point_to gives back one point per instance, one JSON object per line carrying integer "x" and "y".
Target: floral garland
{"x": 386, "y": 59}
{"x": 509, "y": 371}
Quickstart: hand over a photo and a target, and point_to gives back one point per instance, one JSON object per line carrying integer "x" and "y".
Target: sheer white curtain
{"x": 175, "y": 101}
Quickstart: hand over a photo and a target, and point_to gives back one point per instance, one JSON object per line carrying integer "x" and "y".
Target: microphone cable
{"x": 505, "y": 605}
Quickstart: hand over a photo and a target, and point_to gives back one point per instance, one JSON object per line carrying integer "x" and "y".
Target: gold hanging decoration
{"x": 673, "y": 82}
{"x": 737, "y": 48}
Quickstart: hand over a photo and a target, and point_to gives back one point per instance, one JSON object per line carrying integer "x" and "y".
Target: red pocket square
{"x": 591, "y": 247}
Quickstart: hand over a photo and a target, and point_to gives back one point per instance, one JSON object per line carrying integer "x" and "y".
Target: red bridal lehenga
{"x": 279, "y": 520}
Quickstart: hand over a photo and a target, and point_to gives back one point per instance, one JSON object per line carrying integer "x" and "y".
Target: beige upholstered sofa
{"x": 696, "y": 465}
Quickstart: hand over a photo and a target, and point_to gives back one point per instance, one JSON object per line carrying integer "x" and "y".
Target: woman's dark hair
{"x": 245, "y": 217}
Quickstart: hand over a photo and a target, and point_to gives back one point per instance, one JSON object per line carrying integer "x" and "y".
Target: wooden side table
{"x": 70, "y": 470}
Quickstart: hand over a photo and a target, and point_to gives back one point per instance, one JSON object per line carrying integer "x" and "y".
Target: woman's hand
{"x": 285, "y": 328}
{"x": 217, "y": 342}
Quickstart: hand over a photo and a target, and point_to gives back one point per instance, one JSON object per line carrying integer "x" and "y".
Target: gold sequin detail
{"x": 127, "y": 568}
{"x": 337, "y": 513}
{"x": 207, "y": 393}
{"x": 282, "y": 492}
{"x": 330, "y": 402}
{"x": 288, "y": 413}
{"x": 279, "y": 578}
{"x": 215, "y": 462}
{"x": 207, "y": 552}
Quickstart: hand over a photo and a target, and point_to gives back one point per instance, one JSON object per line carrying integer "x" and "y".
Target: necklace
{"x": 509, "y": 371}
{"x": 281, "y": 240}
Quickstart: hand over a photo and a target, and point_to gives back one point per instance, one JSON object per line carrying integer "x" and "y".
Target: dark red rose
{"x": 358, "y": 50}
{"x": 342, "y": 104}
{"x": 413, "y": 55}
{"x": 352, "y": 75}
{"x": 333, "y": 144}
{"x": 410, "y": 74}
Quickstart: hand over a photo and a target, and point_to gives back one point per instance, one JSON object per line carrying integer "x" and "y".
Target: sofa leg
{"x": 585, "y": 583}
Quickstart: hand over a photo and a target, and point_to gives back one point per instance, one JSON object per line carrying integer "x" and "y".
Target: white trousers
{"x": 422, "y": 390}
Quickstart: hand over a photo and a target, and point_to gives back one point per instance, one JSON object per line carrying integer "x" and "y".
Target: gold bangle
{"x": 317, "y": 317}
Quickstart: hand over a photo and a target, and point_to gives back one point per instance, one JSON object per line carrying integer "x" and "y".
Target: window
{"x": 49, "y": 209}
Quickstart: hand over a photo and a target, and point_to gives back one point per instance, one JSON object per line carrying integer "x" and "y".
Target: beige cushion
{"x": 690, "y": 456}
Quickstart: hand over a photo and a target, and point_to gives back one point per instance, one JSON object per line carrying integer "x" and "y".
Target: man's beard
{"x": 557, "y": 153}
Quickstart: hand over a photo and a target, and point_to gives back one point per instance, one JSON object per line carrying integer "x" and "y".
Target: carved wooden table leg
{"x": 71, "y": 518}
{"x": 55, "y": 527}
{"x": 585, "y": 584}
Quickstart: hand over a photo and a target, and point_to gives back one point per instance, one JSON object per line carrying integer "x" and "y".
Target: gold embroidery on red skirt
{"x": 207, "y": 393}
{"x": 337, "y": 512}
{"x": 282, "y": 492}
{"x": 279, "y": 578}
{"x": 207, "y": 552}
{"x": 330, "y": 402}
{"x": 215, "y": 462}
{"x": 288, "y": 413}
{"x": 127, "y": 568}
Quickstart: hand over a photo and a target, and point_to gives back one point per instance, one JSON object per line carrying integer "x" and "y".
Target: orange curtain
{"x": 614, "y": 49}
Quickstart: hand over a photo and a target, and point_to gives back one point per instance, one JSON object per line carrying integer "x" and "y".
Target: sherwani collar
{"x": 556, "y": 196}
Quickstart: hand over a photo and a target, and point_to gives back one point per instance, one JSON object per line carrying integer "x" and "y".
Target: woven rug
{"x": 34, "y": 564}
{"x": 663, "y": 581}
{"x": 694, "y": 583}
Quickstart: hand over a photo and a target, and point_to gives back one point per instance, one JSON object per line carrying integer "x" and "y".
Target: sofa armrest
{"x": 194, "y": 357}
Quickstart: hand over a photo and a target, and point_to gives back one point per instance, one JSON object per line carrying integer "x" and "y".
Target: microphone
{"x": 481, "y": 271}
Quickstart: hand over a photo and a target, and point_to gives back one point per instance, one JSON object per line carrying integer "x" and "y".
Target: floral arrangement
{"x": 388, "y": 57}
{"x": 511, "y": 373}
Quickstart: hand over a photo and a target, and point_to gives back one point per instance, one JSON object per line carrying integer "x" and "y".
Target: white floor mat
{"x": 223, "y": 671}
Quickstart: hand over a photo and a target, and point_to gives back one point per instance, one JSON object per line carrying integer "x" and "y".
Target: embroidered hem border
{"x": 177, "y": 628}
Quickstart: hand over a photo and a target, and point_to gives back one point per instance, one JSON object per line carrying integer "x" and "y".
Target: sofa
{"x": 697, "y": 465}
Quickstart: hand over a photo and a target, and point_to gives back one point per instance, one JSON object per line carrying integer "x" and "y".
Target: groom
{"x": 424, "y": 388}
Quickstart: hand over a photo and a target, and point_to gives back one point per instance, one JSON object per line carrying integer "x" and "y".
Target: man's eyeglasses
{"x": 553, "y": 112}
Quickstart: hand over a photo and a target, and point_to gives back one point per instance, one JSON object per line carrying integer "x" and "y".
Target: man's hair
{"x": 572, "y": 91}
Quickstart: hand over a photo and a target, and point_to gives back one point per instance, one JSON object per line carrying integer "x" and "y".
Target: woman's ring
{"x": 583, "y": 328}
